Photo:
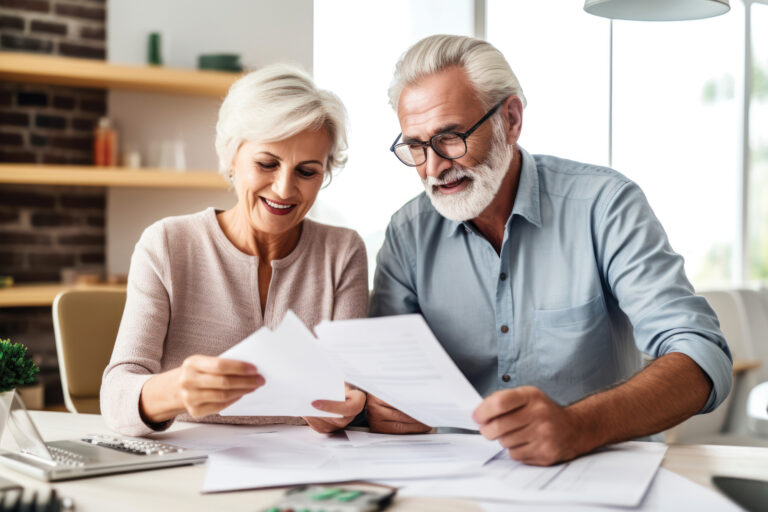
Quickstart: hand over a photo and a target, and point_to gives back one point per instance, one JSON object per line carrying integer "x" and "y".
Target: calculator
{"x": 318, "y": 498}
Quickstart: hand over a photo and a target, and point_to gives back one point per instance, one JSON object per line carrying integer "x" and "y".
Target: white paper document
{"x": 296, "y": 370}
{"x": 617, "y": 475}
{"x": 400, "y": 361}
{"x": 273, "y": 460}
{"x": 669, "y": 492}
{"x": 218, "y": 437}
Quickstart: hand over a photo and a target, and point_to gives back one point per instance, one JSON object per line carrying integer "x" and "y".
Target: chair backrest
{"x": 730, "y": 313}
{"x": 757, "y": 328}
{"x": 733, "y": 322}
{"x": 85, "y": 322}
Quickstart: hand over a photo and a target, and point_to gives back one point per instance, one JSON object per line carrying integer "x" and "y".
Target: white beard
{"x": 483, "y": 184}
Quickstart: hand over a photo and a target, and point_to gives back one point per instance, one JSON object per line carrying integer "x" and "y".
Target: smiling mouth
{"x": 452, "y": 186}
{"x": 276, "y": 207}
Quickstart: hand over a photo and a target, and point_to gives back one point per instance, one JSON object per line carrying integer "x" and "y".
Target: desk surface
{"x": 179, "y": 488}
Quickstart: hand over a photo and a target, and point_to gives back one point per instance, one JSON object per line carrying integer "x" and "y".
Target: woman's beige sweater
{"x": 191, "y": 291}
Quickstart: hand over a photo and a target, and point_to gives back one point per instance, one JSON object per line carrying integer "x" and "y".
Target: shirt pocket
{"x": 571, "y": 344}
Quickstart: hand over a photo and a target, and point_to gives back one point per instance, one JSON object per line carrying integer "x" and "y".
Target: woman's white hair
{"x": 273, "y": 104}
{"x": 487, "y": 69}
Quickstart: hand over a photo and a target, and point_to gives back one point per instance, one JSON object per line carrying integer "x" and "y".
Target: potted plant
{"x": 16, "y": 369}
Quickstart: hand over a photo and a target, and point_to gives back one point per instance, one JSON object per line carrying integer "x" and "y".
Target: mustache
{"x": 455, "y": 173}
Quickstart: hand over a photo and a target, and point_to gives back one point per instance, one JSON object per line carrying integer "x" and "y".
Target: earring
{"x": 231, "y": 175}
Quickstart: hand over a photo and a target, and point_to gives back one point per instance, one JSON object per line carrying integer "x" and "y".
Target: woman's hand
{"x": 210, "y": 384}
{"x": 202, "y": 385}
{"x": 349, "y": 408}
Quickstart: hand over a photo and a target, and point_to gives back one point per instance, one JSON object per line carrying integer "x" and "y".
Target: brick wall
{"x": 44, "y": 229}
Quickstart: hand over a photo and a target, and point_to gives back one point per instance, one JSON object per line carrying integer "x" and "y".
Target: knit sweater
{"x": 191, "y": 291}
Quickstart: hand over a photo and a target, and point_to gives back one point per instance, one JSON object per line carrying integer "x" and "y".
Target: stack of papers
{"x": 275, "y": 459}
{"x": 434, "y": 465}
{"x": 617, "y": 475}
{"x": 397, "y": 359}
{"x": 668, "y": 492}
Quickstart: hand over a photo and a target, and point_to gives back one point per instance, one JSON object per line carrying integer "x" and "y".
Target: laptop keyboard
{"x": 134, "y": 446}
{"x": 66, "y": 457}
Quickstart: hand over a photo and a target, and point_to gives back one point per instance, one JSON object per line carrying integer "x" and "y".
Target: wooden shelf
{"x": 33, "y": 174}
{"x": 24, "y": 67}
{"x": 21, "y": 295}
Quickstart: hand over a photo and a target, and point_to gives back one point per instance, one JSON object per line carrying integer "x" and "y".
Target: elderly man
{"x": 541, "y": 277}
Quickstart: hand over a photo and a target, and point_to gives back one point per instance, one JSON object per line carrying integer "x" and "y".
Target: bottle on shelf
{"x": 105, "y": 144}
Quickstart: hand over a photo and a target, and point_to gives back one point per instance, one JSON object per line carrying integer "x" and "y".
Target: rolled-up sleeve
{"x": 648, "y": 280}
{"x": 140, "y": 339}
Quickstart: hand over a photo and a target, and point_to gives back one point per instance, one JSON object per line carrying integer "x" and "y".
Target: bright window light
{"x": 356, "y": 46}
{"x": 676, "y": 131}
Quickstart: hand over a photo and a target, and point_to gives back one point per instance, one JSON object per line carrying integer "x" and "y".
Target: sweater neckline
{"x": 212, "y": 223}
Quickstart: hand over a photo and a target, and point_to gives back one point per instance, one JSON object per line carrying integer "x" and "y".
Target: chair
{"x": 709, "y": 427}
{"x": 757, "y": 328}
{"x": 756, "y": 307}
{"x": 85, "y": 323}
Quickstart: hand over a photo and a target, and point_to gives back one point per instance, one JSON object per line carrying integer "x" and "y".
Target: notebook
{"x": 92, "y": 455}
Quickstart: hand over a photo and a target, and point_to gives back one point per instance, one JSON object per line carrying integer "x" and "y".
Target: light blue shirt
{"x": 585, "y": 280}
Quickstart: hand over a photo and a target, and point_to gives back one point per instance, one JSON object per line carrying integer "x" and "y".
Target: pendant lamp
{"x": 656, "y": 10}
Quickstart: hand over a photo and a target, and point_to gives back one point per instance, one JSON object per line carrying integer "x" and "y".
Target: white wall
{"x": 261, "y": 31}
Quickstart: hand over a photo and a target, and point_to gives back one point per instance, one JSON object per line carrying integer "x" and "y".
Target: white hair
{"x": 274, "y": 103}
{"x": 487, "y": 69}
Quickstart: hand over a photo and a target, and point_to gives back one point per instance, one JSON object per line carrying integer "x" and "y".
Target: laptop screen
{"x": 24, "y": 431}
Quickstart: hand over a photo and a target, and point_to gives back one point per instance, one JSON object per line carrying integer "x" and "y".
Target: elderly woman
{"x": 200, "y": 283}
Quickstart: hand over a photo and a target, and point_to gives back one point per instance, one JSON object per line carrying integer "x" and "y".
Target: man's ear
{"x": 512, "y": 110}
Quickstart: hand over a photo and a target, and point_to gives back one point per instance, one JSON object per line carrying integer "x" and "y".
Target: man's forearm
{"x": 668, "y": 391}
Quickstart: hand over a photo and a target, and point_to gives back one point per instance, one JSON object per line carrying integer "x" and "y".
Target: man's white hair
{"x": 487, "y": 69}
{"x": 274, "y": 103}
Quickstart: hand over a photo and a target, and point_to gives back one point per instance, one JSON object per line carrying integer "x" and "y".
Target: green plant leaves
{"x": 16, "y": 367}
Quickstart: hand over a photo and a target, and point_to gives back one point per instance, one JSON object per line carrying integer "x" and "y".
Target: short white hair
{"x": 487, "y": 69}
{"x": 274, "y": 103}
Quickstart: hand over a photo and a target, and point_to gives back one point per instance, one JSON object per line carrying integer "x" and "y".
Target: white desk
{"x": 179, "y": 488}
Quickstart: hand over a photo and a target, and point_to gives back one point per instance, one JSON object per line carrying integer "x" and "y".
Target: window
{"x": 676, "y": 131}
{"x": 363, "y": 40}
{"x": 560, "y": 56}
{"x": 758, "y": 146}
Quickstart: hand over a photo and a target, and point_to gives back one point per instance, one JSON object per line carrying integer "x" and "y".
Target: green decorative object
{"x": 220, "y": 62}
{"x": 154, "y": 53}
{"x": 16, "y": 367}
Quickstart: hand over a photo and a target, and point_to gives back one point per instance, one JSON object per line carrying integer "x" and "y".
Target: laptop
{"x": 92, "y": 455}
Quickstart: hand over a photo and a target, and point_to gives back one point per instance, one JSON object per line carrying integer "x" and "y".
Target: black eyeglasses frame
{"x": 424, "y": 145}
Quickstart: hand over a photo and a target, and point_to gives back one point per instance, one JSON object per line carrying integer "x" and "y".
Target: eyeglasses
{"x": 450, "y": 145}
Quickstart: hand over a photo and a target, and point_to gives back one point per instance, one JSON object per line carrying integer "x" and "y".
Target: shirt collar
{"x": 526, "y": 204}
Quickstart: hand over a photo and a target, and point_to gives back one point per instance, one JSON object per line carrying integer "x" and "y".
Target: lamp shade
{"x": 656, "y": 10}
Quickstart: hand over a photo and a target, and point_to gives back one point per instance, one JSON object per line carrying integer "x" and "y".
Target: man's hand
{"x": 385, "y": 419}
{"x": 349, "y": 408}
{"x": 533, "y": 428}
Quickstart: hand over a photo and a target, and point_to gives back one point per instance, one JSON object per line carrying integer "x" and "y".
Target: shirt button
{"x": 506, "y": 377}
{"x": 503, "y": 276}
{"x": 504, "y": 329}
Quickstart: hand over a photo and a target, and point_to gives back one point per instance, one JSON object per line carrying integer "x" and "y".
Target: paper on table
{"x": 668, "y": 491}
{"x": 218, "y": 437}
{"x": 617, "y": 475}
{"x": 295, "y": 367}
{"x": 399, "y": 360}
{"x": 400, "y": 456}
